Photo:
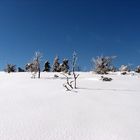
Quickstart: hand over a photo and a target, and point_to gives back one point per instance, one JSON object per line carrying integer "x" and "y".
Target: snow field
{"x": 41, "y": 109}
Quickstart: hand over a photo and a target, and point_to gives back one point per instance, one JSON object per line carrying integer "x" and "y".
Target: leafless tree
{"x": 103, "y": 64}
{"x": 34, "y": 66}
{"x": 74, "y": 62}
{"x": 71, "y": 84}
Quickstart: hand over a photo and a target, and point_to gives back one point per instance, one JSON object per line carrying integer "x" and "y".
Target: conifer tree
{"x": 64, "y": 67}
{"x": 47, "y": 66}
{"x": 10, "y": 68}
{"x": 137, "y": 69}
{"x": 56, "y": 65}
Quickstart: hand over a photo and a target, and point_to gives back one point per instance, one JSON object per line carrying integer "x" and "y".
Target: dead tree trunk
{"x": 75, "y": 76}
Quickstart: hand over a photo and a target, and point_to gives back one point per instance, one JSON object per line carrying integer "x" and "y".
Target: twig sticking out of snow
{"x": 74, "y": 61}
{"x": 68, "y": 84}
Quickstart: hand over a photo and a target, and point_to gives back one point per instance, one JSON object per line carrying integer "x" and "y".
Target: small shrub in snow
{"x": 124, "y": 68}
{"x": 124, "y": 73}
{"x": 55, "y": 76}
{"x": 106, "y": 78}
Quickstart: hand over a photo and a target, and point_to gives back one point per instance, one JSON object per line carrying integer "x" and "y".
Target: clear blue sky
{"x": 58, "y": 27}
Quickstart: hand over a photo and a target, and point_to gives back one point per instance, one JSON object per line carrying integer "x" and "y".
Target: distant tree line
{"x": 101, "y": 65}
{"x": 34, "y": 65}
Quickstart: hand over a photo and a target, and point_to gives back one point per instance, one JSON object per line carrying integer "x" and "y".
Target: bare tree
{"x": 74, "y": 62}
{"x": 71, "y": 84}
{"x": 103, "y": 64}
{"x": 34, "y": 66}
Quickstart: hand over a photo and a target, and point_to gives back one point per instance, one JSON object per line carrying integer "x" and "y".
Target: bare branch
{"x": 69, "y": 83}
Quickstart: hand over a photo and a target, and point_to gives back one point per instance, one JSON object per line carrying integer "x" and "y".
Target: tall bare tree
{"x": 34, "y": 66}
{"x": 72, "y": 84}
{"x": 37, "y": 59}
{"x": 74, "y": 63}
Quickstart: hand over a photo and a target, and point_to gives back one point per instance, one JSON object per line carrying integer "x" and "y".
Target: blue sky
{"x": 58, "y": 27}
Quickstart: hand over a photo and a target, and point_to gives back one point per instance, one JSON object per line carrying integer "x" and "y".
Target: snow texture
{"x": 41, "y": 109}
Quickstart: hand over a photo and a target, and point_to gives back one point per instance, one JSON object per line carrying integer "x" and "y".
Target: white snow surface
{"x": 41, "y": 109}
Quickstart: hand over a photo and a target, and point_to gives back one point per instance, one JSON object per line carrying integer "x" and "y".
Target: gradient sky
{"x": 58, "y": 27}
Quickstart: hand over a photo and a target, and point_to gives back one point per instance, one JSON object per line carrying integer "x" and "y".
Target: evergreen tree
{"x": 64, "y": 67}
{"x": 47, "y": 66}
{"x": 10, "y": 68}
{"x": 20, "y": 69}
{"x": 56, "y": 65}
{"x": 137, "y": 69}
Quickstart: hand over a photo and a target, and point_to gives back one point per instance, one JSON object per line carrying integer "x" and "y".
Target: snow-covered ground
{"x": 41, "y": 109}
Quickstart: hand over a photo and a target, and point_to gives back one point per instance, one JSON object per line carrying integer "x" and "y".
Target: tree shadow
{"x": 73, "y": 91}
{"x": 54, "y": 78}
